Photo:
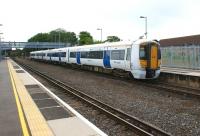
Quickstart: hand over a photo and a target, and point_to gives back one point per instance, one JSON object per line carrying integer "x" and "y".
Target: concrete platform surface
{"x": 180, "y": 71}
{"x": 9, "y": 118}
{"x": 72, "y": 126}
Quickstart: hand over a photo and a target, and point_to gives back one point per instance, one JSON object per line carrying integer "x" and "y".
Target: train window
{"x": 72, "y": 54}
{"x": 84, "y": 54}
{"x": 96, "y": 54}
{"x": 100, "y": 54}
{"x": 117, "y": 54}
{"x": 92, "y": 54}
{"x": 62, "y": 54}
{"x": 142, "y": 52}
{"x": 55, "y": 54}
{"x": 128, "y": 55}
{"x": 159, "y": 53}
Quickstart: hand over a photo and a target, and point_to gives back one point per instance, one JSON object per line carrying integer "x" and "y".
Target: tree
{"x": 57, "y": 35}
{"x": 40, "y": 37}
{"x": 97, "y": 42}
{"x": 112, "y": 39}
{"x": 60, "y": 35}
{"x": 85, "y": 38}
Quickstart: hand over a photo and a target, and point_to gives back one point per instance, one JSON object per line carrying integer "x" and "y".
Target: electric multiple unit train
{"x": 141, "y": 58}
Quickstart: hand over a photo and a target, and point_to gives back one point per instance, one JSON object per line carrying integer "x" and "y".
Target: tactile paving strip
{"x": 43, "y": 103}
{"x": 40, "y": 95}
{"x": 16, "y": 67}
{"x": 20, "y": 71}
{"x": 34, "y": 89}
{"x": 32, "y": 86}
{"x": 55, "y": 113}
{"x": 49, "y": 107}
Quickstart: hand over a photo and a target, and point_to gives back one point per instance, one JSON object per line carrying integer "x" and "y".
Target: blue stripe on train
{"x": 106, "y": 59}
{"x": 78, "y": 57}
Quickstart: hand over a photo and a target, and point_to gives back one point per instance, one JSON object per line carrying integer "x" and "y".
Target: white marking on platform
{"x": 25, "y": 78}
{"x": 49, "y": 107}
{"x": 71, "y": 126}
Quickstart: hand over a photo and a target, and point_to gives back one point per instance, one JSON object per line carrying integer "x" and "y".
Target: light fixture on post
{"x": 101, "y": 32}
{"x": 145, "y": 25}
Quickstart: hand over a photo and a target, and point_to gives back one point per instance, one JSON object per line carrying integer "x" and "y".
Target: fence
{"x": 187, "y": 56}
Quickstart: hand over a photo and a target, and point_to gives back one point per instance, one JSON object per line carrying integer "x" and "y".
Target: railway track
{"x": 182, "y": 90}
{"x": 187, "y": 91}
{"x": 138, "y": 126}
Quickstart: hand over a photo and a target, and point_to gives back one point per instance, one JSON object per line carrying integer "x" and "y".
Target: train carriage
{"x": 141, "y": 58}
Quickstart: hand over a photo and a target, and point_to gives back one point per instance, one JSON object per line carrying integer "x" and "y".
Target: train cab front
{"x": 150, "y": 58}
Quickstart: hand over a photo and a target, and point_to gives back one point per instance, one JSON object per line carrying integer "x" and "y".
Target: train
{"x": 140, "y": 58}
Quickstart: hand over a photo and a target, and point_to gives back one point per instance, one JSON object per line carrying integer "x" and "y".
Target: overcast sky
{"x": 22, "y": 19}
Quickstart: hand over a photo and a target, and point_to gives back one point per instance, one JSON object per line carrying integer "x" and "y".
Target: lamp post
{"x": 145, "y": 25}
{"x": 101, "y": 32}
{"x": 0, "y": 43}
{"x": 59, "y": 40}
{"x": 0, "y": 46}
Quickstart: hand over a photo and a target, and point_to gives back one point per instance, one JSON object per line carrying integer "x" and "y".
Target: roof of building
{"x": 180, "y": 41}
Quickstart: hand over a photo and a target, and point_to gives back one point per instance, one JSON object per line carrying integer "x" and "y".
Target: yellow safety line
{"x": 19, "y": 107}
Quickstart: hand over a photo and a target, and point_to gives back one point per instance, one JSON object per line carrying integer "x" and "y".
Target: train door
{"x": 67, "y": 55}
{"x": 154, "y": 57}
{"x": 59, "y": 55}
{"x": 128, "y": 59}
{"x": 50, "y": 54}
{"x": 106, "y": 57}
{"x": 78, "y": 57}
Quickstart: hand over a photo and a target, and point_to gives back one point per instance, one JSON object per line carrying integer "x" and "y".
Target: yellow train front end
{"x": 150, "y": 58}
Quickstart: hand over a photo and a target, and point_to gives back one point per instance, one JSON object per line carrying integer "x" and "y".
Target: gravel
{"x": 174, "y": 113}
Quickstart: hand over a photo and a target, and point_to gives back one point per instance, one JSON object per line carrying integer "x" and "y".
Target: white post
{"x": 101, "y": 32}
{"x": 145, "y": 25}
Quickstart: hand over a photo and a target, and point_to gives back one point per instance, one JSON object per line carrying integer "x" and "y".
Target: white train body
{"x": 125, "y": 56}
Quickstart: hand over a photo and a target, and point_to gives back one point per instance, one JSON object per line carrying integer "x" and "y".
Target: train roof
{"x": 121, "y": 43}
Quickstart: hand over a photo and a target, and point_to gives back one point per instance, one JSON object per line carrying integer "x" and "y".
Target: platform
{"x": 29, "y": 108}
{"x": 9, "y": 119}
{"x": 185, "y": 77}
{"x": 181, "y": 71}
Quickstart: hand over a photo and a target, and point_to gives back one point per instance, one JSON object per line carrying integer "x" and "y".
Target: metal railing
{"x": 33, "y": 45}
{"x": 187, "y": 56}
